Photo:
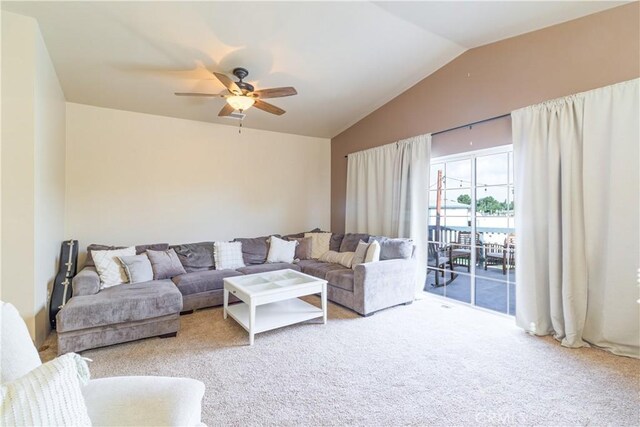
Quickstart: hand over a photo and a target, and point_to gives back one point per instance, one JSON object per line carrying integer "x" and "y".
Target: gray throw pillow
{"x": 360, "y": 253}
{"x": 165, "y": 264}
{"x": 335, "y": 242}
{"x": 195, "y": 256}
{"x": 399, "y": 248}
{"x": 350, "y": 241}
{"x": 137, "y": 267}
{"x": 303, "y": 250}
{"x": 255, "y": 249}
{"x": 301, "y": 235}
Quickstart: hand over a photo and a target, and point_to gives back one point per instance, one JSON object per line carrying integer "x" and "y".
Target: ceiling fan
{"x": 242, "y": 95}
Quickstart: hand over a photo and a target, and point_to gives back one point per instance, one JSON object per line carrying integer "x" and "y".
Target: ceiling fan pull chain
{"x": 240, "y": 128}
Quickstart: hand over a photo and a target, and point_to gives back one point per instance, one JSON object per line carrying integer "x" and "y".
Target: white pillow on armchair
{"x": 51, "y": 395}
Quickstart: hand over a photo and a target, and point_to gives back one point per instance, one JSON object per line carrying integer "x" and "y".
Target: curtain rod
{"x": 464, "y": 126}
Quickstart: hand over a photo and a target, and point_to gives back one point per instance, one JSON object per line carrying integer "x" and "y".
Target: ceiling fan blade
{"x": 226, "y": 110}
{"x": 276, "y": 92}
{"x": 212, "y": 95}
{"x": 228, "y": 83}
{"x": 269, "y": 108}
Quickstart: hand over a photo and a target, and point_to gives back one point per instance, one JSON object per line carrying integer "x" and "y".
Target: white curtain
{"x": 388, "y": 194}
{"x": 577, "y": 218}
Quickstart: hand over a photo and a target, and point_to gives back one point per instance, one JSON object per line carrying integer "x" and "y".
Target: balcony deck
{"x": 491, "y": 291}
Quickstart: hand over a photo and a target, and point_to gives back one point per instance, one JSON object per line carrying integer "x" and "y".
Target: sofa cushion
{"x": 319, "y": 269}
{"x": 301, "y": 235}
{"x": 165, "y": 264}
{"x": 254, "y": 249}
{"x": 350, "y": 241}
{"x": 335, "y": 242}
{"x": 202, "y": 281}
{"x": 137, "y": 267}
{"x": 195, "y": 256}
{"x": 303, "y": 249}
{"x": 393, "y": 248}
{"x": 119, "y": 304}
{"x": 140, "y": 249}
{"x": 263, "y": 268}
{"x": 342, "y": 279}
{"x": 306, "y": 263}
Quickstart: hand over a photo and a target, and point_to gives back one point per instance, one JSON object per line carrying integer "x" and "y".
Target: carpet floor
{"x": 430, "y": 363}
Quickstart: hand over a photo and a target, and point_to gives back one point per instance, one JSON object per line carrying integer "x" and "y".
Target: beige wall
{"x": 18, "y": 74}
{"x": 491, "y": 80}
{"x": 136, "y": 178}
{"x": 49, "y": 180}
{"x": 33, "y": 171}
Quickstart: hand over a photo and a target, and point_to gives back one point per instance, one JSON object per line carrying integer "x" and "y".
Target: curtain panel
{"x": 388, "y": 194}
{"x": 577, "y": 203}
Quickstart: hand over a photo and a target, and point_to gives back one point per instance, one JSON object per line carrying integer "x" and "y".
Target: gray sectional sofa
{"x": 95, "y": 318}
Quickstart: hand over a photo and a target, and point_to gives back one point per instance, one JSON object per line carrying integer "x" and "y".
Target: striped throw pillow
{"x": 342, "y": 258}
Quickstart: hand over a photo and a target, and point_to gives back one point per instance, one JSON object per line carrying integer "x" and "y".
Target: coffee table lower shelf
{"x": 274, "y": 315}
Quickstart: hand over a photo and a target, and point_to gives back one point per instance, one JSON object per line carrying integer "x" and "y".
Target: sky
{"x": 490, "y": 170}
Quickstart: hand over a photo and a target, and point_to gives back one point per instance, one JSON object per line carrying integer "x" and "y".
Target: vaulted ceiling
{"x": 346, "y": 59}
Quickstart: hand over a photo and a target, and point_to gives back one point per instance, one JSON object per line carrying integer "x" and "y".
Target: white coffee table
{"x": 271, "y": 300}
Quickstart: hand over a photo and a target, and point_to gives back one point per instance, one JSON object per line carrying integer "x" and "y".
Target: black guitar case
{"x": 62, "y": 289}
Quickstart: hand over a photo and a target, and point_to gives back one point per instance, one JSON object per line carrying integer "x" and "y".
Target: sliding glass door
{"x": 471, "y": 229}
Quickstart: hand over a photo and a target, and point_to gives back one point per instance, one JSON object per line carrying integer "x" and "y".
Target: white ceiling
{"x": 346, "y": 59}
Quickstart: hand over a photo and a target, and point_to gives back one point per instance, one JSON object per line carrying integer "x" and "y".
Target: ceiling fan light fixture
{"x": 241, "y": 103}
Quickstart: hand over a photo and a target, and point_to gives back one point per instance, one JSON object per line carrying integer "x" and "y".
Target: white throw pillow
{"x": 342, "y": 258}
{"x": 49, "y": 395}
{"x": 281, "y": 250}
{"x": 373, "y": 253}
{"x": 360, "y": 253}
{"x": 228, "y": 255}
{"x": 109, "y": 267}
{"x": 320, "y": 243}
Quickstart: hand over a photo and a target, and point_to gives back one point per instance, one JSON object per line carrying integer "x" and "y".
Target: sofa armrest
{"x": 86, "y": 282}
{"x": 382, "y": 284}
{"x": 144, "y": 401}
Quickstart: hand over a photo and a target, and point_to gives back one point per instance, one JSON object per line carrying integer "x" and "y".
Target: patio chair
{"x": 439, "y": 257}
{"x": 461, "y": 249}
{"x": 510, "y": 249}
{"x": 496, "y": 254}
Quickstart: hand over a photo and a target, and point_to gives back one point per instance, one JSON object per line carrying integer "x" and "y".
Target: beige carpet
{"x": 423, "y": 364}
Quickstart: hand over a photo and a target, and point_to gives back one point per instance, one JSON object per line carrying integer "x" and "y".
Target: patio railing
{"x": 450, "y": 234}
{"x": 490, "y": 244}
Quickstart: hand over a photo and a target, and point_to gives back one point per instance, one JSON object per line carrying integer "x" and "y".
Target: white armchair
{"x": 116, "y": 401}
